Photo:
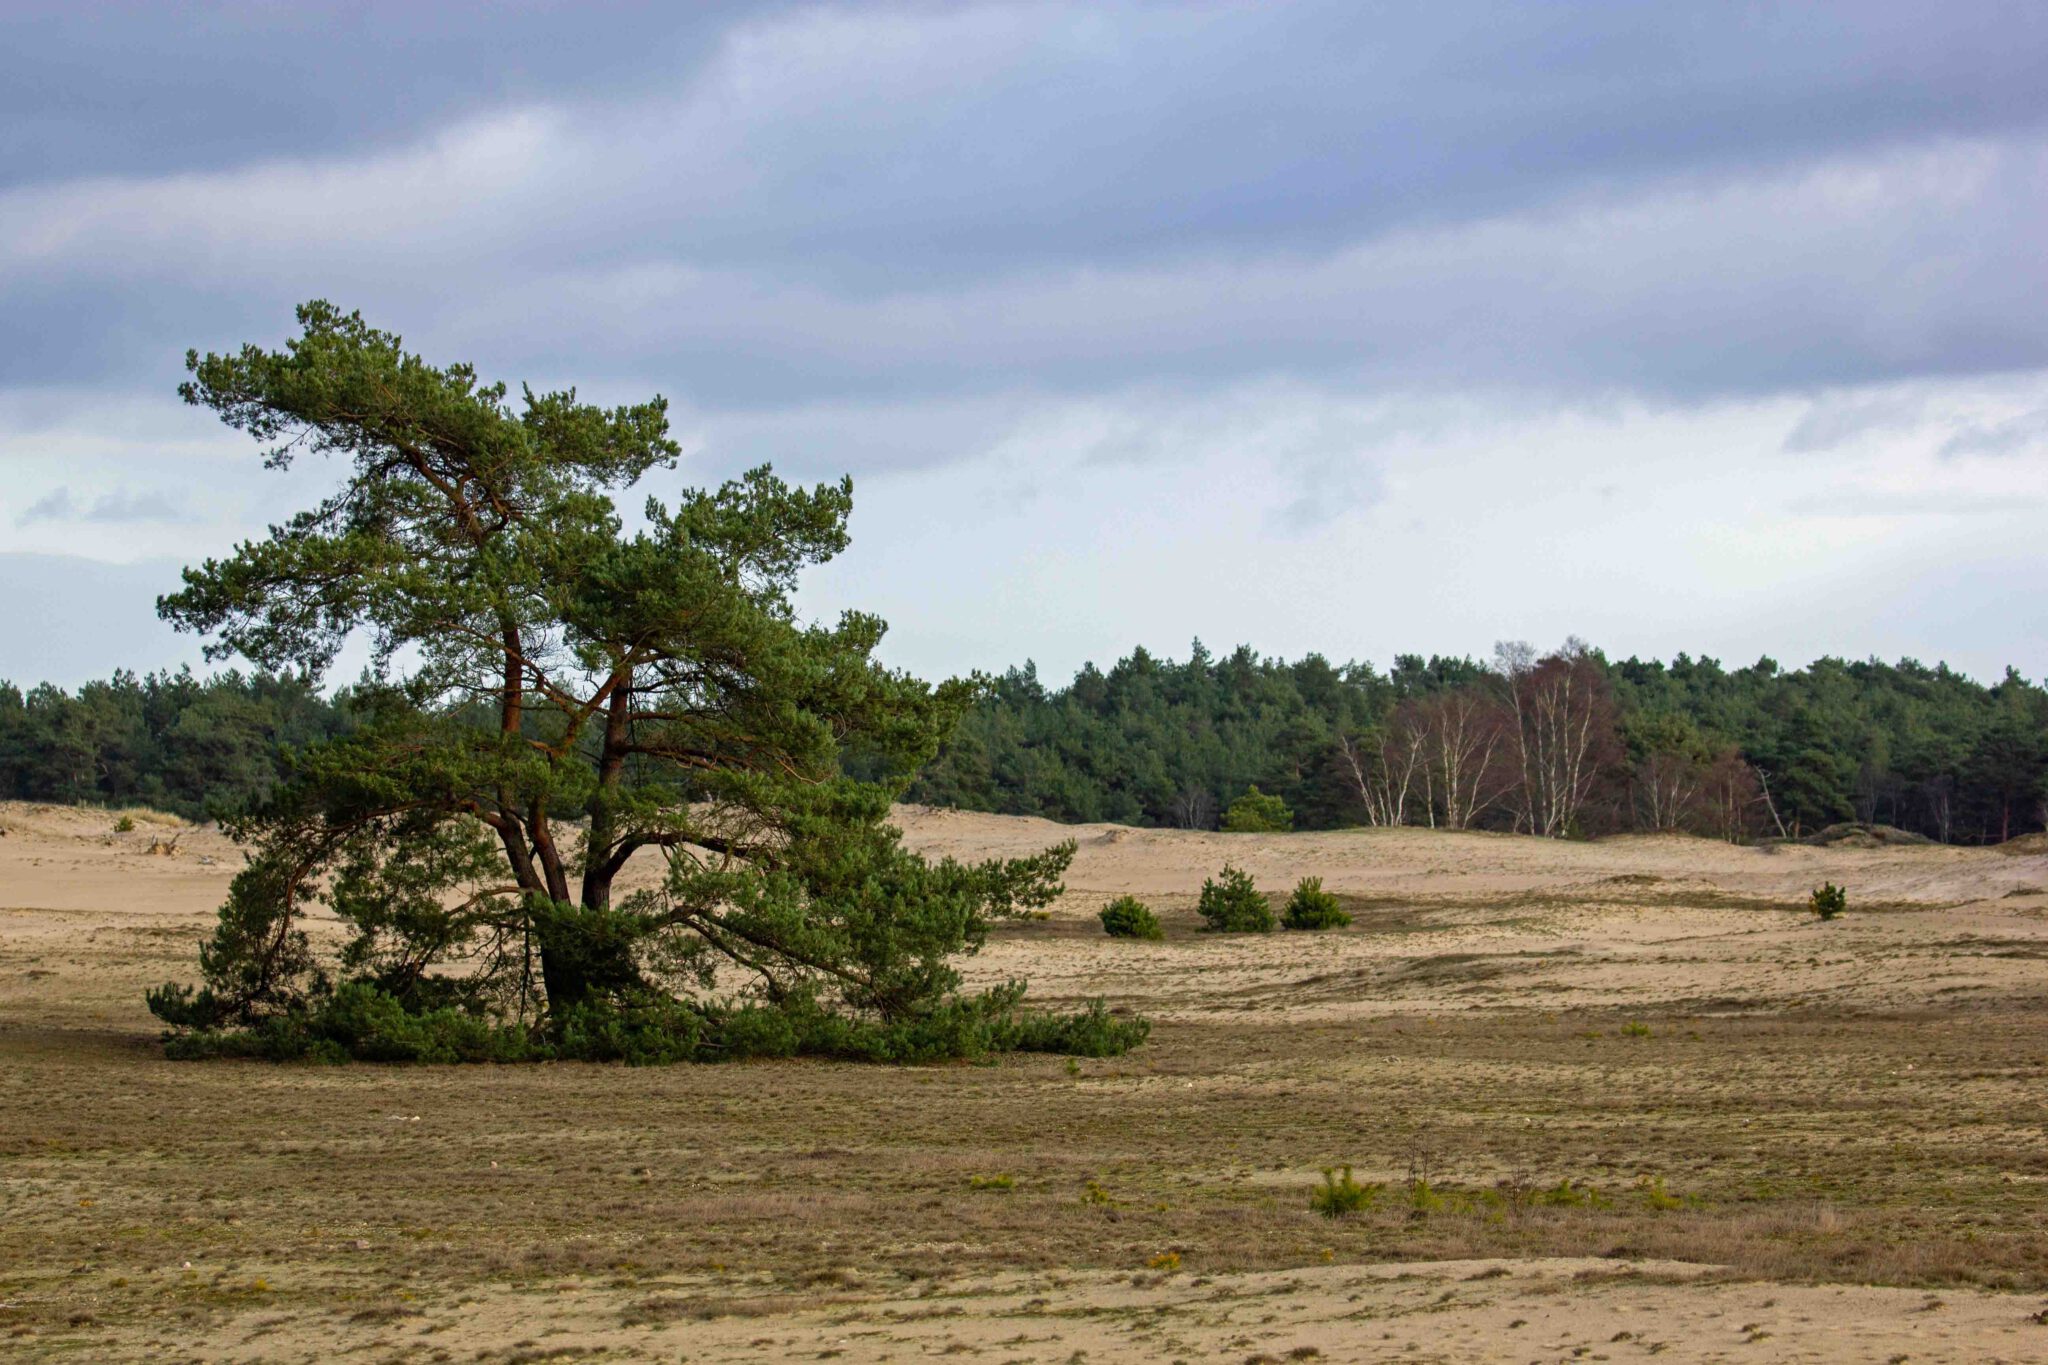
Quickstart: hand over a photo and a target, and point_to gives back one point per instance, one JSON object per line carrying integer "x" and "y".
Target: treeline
{"x": 168, "y": 740}
{"x": 1563, "y": 744}
{"x": 1567, "y": 743}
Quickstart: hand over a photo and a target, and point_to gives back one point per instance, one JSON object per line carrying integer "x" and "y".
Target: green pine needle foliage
{"x": 359, "y": 1022}
{"x": 1257, "y": 813}
{"x": 552, "y": 698}
{"x": 1311, "y": 907}
{"x": 1340, "y": 1196}
{"x": 1828, "y": 900}
{"x": 1129, "y": 917}
{"x": 1231, "y": 904}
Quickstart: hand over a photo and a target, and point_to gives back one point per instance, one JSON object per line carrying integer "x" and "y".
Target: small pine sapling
{"x": 1129, "y": 917}
{"x": 1233, "y": 905}
{"x": 1829, "y": 900}
{"x": 1311, "y": 907}
{"x": 1339, "y": 1195}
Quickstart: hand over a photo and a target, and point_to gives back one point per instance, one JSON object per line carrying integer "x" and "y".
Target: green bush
{"x": 1650, "y": 1189}
{"x": 1257, "y": 813}
{"x": 362, "y": 1023}
{"x": 1232, "y": 905}
{"x": 1566, "y": 1195}
{"x": 1094, "y": 1032}
{"x": 125, "y": 825}
{"x": 1311, "y": 907}
{"x": 1129, "y": 917}
{"x": 358, "y": 1021}
{"x": 1829, "y": 900}
{"x": 1424, "y": 1197}
{"x": 1339, "y": 1195}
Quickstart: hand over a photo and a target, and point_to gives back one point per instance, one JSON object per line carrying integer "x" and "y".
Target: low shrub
{"x": 1231, "y": 904}
{"x": 1340, "y": 1196}
{"x": 357, "y": 1021}
{"x": 1094, "y": 1032}
{"x": 1311, "y": 907}
{"x": 1829, "y": 900}
{"x": 1424, "y": 1197}
{"x": 1129, "y": 917}
{"x": 1566, "y": 1195}
{"x": 1650, "y": 1189}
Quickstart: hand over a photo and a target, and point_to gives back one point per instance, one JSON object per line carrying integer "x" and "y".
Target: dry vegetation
{"x": 1803, "y": 1141}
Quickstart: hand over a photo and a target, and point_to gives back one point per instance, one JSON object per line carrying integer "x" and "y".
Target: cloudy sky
{"x": 1352, "y": 328}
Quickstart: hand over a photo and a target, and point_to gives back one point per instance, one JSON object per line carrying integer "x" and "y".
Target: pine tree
{"x": 557, "y": 702}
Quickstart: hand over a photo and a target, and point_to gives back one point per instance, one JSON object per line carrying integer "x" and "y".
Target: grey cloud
{"x": 2014, "y": 435}
{"x": 792, "y": 205}
{"x": 1917, "y": 261}
{"x": 824, "y": 440}
{"x": 1837, "y": 420}
{"x": 133, "y": 505}
{"x": 120, "y": 506}
{"x": 55, "y": 505}
{"x": 904, "y": 142}
{"x": 111, "y": 88}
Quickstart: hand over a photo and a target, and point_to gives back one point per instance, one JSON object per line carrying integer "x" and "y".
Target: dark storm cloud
{"x": 767, "y": 207}
{"x": 142, "y": 89}
{"x": 999, "y": 133}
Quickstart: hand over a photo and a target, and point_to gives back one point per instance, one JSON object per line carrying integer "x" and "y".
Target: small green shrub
{"x": 1311, "y": 907}
{"x": 125, "y": 825}
{"x": 1340, "y": 1196}
{"x": 1635, "y": 1028}
{"x": 1231, "y": 904}
{"x": 1566, "y": 1195}
{"x": 1257, "y": 813}
{"x": 991, "y": 1182}
{"x": 1129, "y": 917}
{"x": 1426, "y": 1198}
{"x": 1829, "y": 900}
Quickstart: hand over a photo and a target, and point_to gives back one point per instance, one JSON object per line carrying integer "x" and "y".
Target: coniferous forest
{"x": 168, "y": 740}
{"x": 1566, "y": 744}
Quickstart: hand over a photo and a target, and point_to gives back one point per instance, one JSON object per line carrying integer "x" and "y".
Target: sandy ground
{"x": 1643, "y": 920}
{"x": 1486, "y": 976}
{"x": 1449, "y": 1311}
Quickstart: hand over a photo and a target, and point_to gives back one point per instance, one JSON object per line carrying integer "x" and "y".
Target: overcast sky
{"x": 1353, "y": 328}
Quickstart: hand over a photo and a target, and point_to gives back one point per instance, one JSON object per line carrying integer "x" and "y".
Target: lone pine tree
{"x": 595, "y": 802}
